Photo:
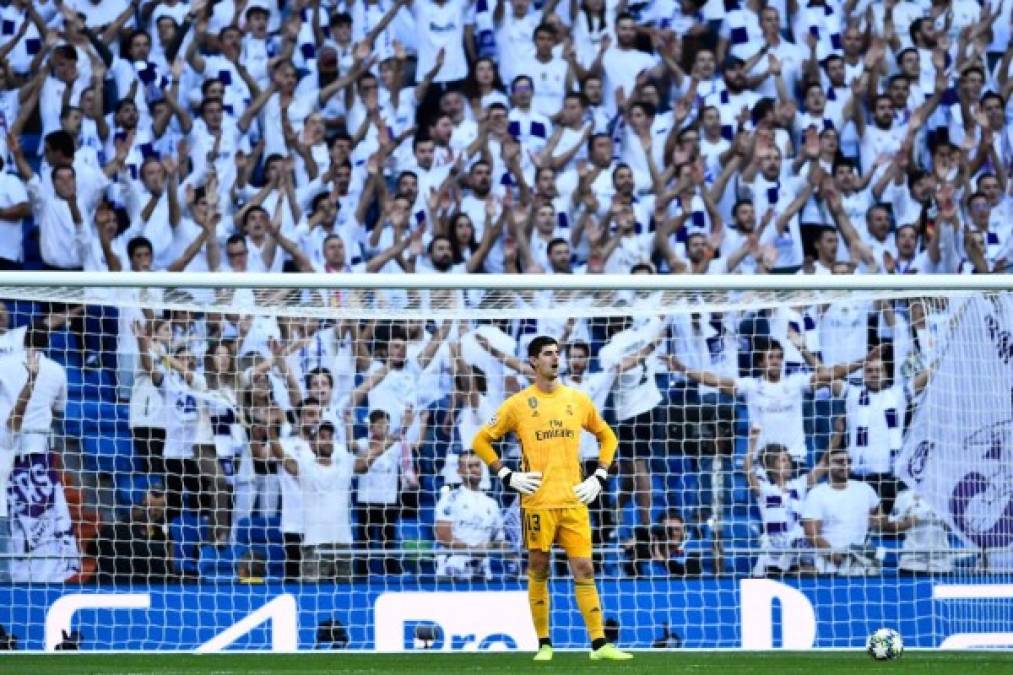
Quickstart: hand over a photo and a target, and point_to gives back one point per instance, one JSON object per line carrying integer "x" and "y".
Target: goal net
{"x": 206, "y": 462}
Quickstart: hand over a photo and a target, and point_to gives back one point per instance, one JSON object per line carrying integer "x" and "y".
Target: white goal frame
{"x": 750, "y": 292}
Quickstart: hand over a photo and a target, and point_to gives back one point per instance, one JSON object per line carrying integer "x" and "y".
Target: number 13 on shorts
{"x": 570, "y": 528}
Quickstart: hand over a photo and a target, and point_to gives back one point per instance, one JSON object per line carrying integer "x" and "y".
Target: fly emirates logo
{"x": 555, "y": 430}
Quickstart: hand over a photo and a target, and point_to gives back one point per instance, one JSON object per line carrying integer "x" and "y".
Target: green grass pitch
{"x": 758, "y": 663}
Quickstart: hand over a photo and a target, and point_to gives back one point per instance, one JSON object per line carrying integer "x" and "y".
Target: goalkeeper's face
{"x": 546, "y": 364}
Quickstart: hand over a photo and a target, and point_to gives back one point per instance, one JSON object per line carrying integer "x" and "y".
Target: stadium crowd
{"x": 444, "y": 136}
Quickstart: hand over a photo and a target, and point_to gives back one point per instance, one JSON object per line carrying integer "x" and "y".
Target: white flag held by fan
{"x": 958, "y": 453}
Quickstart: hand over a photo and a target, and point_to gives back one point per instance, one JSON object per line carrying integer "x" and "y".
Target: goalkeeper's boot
{"x": 544, "y": 653}
{"x": 609, "y": 652}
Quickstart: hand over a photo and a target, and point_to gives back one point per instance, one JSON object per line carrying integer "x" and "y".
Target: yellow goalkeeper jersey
{"x": 549, "y": 428}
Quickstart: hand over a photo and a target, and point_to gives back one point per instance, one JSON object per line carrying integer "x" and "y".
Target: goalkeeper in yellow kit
{"x": 547, "y": 418}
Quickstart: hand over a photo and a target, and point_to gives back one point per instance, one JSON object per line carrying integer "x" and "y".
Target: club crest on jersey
{"x": 569, "y": 410}
{"x": 533, "y": 404}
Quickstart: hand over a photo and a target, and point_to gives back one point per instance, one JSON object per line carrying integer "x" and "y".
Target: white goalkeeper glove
{"x": 591, "y": 487}
{"x": 525, "y": 483}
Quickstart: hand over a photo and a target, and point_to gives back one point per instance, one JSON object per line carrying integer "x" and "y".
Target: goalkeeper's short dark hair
{"x": 535, "y": 346}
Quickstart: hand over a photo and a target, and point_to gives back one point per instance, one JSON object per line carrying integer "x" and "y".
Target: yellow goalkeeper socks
{"x": 587, "y": 600}
{"x": 538, "y": 599}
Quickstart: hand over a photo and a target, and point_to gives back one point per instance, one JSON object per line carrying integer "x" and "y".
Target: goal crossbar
{"x": 517, "y": 282}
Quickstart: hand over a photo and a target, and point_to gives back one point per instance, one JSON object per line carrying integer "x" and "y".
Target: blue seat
{"x": 733, "y": 511}
{"x": 99, "y": 384}
{"x": 186, "y": 532}
{"x": 274, "y": 556}
{"x": 219, "y": 563}
{"x": 104, "y": 418}
{"x": 740, "y": 488}
{"x": 75, "y": 381}
{"x": 109, "y": 454}
{"x": 90, "y": 384}
{"x": 259, "y": 530}
{"x": 411, "y": 529}
{"x": 612, "y": 563}
{"x": 24, "y": 312}
{"x": 740, "y": 533}
{"x": 131, "y": 487}
{"x": 64, "y": 348}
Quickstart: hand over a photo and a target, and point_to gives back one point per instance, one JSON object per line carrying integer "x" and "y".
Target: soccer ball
{"x": 884, "y": 644}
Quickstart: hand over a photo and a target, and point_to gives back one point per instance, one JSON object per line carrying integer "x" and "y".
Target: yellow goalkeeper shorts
{"x": 570, "y": 528}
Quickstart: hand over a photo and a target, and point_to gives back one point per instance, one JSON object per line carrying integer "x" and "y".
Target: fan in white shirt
{"x": 442, "y": 26}
{"x": 180, "y": 385}
{"x": 296, "y": 446}
{"x": 11, "y": 416}
{"x": 902, "y": 14}
{"x": 392, "y": 386}
{"x": 526, "y": 125}
{"x": 100, "y": 13}
{"x": 844, "y": 330}
{"x": 786, "y": 195}
{"x": 623, "y": 63}
{"x": 637, "y": 401}
{"x": 153, "y": 204}
{"x": 875, "y": 412}
{"x": 740, "y": 34}
{"x": 789, "y": 56}
{"x": 514, "y": 28}
{"x": 837, "y": 517}
{"x": 774, "y": 400}
{"x": 14, "y": 207}
{"x": 325, "y": 477}
{"x": 377, "y": 499}
{"x": 469, "y": 408}
{"x": 58, "y": 212}
{"x": 780, "y": 498}
{"x": 551, "y": 74}
{"x": 256, "y": 224}
{"x": 65, "y": 74}
{"x": 42, "y": 384}
{"x": 733, "y": 97}
{"x": 468, "y": 521}
{"x": 7, "y": 457}
{"x": 926, "y": 544}
{"x": 644, "y": 141}
{"x": 596, "y": 385}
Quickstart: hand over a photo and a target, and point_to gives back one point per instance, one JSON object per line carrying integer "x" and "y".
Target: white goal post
{"x": 280, "y": 461}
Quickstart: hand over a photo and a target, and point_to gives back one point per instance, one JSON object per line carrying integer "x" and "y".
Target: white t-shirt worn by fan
{"x": 326, "y": 491}
{"x": 843, "y": 514}
{"x": 380, "y": 484}
{"x": 291, "y": 487}
{"x": 776, "y": 407}
{"x": 182, "y": 413}
{"x": 49, "y": 394}
{"x": 636, "y": 391}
